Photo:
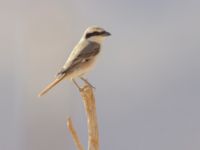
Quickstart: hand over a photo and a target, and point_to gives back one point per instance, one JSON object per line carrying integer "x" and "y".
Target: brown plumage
{"x": 51, "y": 85}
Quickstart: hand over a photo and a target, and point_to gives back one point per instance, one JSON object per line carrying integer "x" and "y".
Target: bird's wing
{"x": 80, "y": 55}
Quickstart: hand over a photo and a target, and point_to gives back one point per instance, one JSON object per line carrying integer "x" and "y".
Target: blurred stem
{"x": 74, "y": 134}
{"x": 90, "y": 109}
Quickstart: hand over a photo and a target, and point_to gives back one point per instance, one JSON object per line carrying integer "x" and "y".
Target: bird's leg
{"x": 86, "y": 81}
{"x": 76, "y": 84}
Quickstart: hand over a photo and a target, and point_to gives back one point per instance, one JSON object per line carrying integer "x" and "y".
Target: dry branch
{"x": 74, "y": 135}
{"x": 90, "y": 108}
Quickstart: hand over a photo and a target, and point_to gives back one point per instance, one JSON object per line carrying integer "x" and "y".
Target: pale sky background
{"x": 147, "y": 79}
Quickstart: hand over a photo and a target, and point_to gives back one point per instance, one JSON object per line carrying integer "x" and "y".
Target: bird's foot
{"x": 87, "y": 82}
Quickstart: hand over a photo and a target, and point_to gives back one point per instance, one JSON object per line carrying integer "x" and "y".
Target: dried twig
{"x": 90, "y": 108}
{"x": 74, "y": 134}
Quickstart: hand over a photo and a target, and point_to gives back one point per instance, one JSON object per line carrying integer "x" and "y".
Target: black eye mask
{"x": 88, "y": 35}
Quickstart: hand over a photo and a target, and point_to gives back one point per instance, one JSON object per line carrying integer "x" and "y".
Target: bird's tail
{"x": 50, "y": 86}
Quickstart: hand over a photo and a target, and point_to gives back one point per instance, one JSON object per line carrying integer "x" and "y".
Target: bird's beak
{"x": 106, "y": 33}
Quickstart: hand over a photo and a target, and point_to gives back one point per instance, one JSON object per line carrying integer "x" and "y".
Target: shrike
{"x": 82, "y": 57}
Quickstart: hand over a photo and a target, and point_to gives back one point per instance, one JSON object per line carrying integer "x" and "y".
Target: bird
{"x": 81, "y": 59}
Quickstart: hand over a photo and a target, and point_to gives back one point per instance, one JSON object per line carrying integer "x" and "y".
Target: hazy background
{"x": 147, "y": 79}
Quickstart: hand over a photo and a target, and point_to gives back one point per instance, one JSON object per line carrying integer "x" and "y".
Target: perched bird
{"x": 82, "y": 57}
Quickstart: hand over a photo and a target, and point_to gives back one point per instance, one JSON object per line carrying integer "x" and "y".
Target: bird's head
{"x": 95, "y": 34}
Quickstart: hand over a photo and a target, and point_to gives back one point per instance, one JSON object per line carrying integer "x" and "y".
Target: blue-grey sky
{"x": 147, "y": 78}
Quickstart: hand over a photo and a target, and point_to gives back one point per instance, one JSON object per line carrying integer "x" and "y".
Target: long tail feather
{"x": 50, "y": 86}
